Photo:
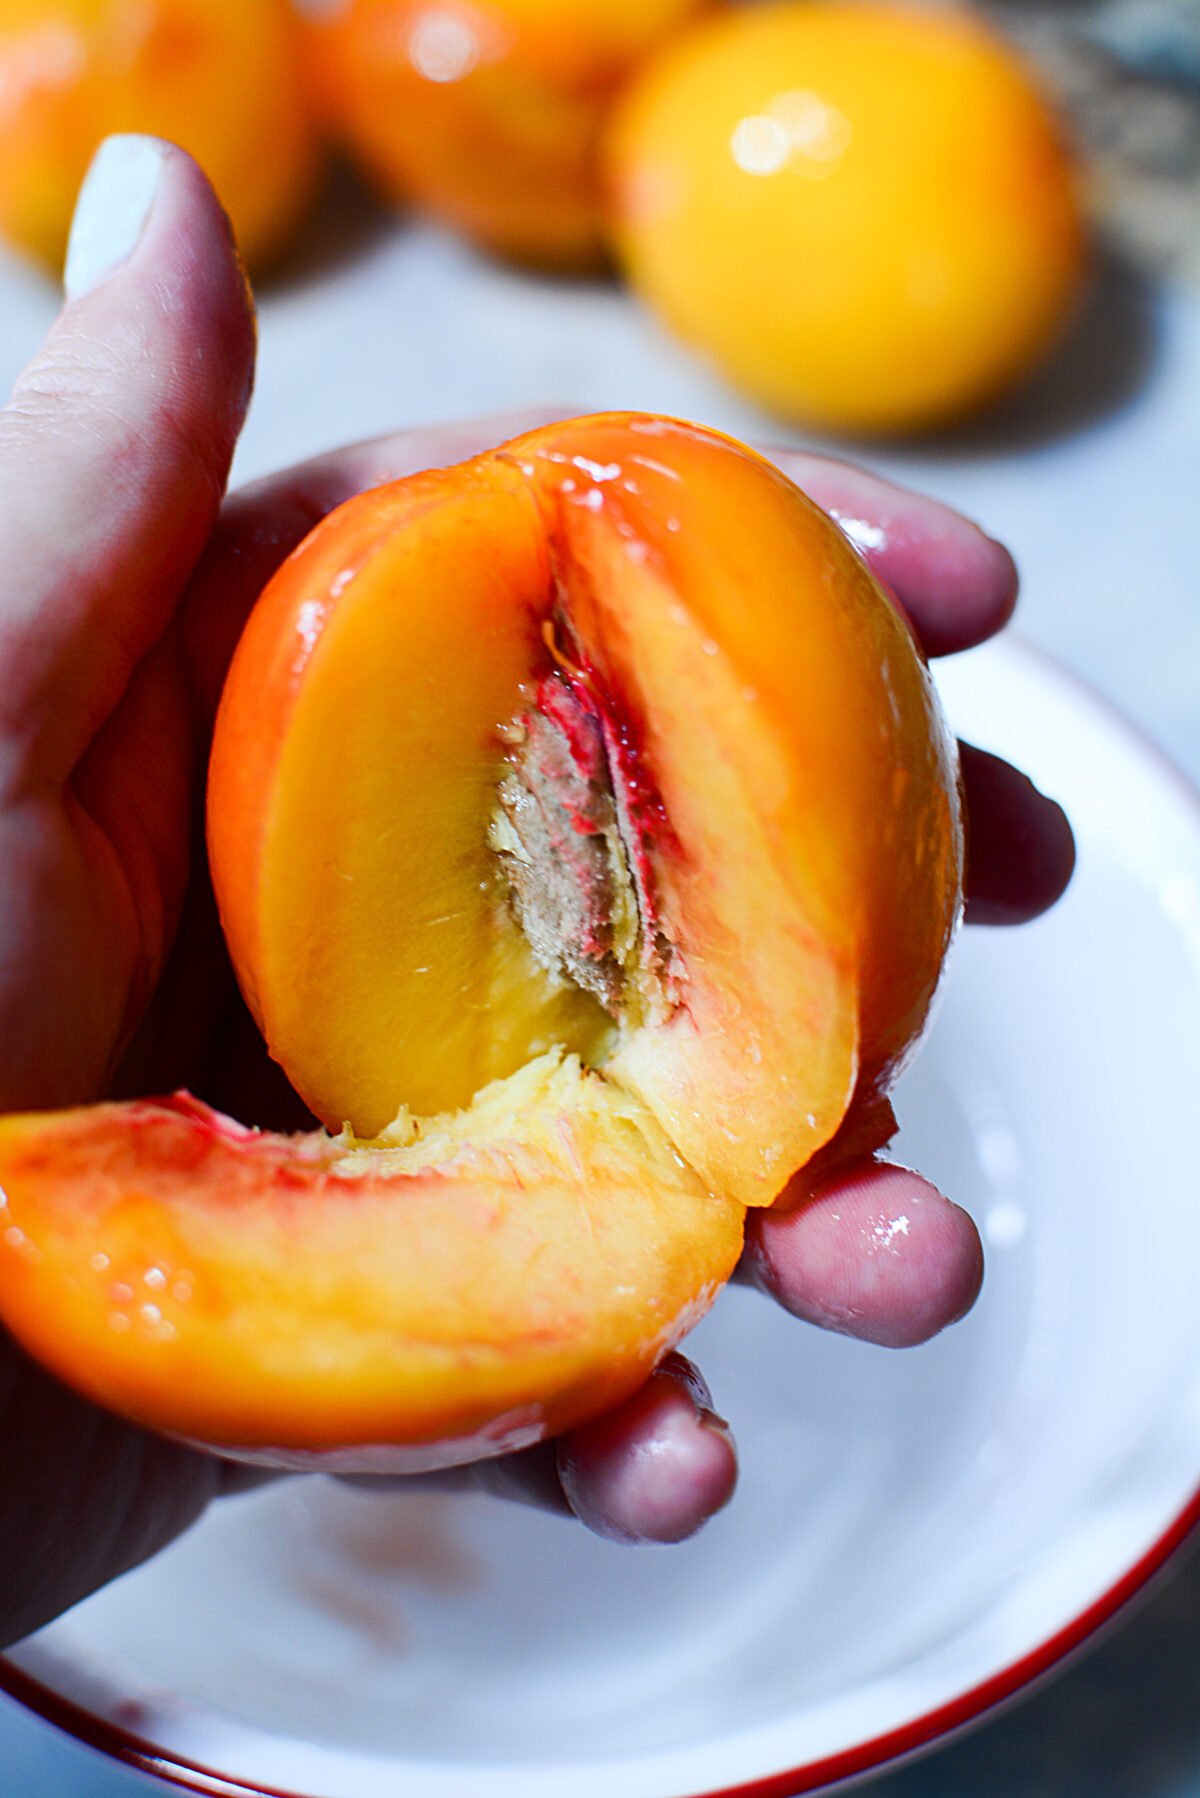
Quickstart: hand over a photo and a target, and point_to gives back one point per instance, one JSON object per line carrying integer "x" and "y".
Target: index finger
{"x": 957, "y": 585}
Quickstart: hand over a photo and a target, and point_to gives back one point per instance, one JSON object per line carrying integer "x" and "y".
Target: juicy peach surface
{"x": 220, "y": 77}
{"x": 587, "y": 843}
{"x": 488, "y": 113}
{"x": 304, "y": 1297}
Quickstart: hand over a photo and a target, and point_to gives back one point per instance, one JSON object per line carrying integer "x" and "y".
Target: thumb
{"x": 115, "y": 448}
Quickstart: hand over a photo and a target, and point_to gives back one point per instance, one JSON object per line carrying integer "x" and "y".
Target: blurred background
{"x": 961, "y": 245}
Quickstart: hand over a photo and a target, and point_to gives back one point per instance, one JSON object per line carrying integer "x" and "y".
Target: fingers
{"x": 956, "y": 584}
{"x": 958, "y": 587}
{"x": 1022, "y": 852}
{"x": 115, "y": 447}
{"x": 84, "y": 1496}
{"x": 1020, "y": 848}
{"x": 652, "y": 1471}
{"x": 655, "y": 1469}
{"x": 876, "y": 1252}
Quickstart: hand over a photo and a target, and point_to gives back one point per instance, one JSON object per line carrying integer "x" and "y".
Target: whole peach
{"x": 864, "y": 213}
{"x": 222, "y": 78}
{"x": 488, "y": 113}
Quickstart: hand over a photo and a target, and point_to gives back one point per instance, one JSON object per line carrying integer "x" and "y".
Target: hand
{"x": 128, "y": 582}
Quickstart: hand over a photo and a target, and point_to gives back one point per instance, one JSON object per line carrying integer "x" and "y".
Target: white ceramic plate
{"x": 916, "y": 1535}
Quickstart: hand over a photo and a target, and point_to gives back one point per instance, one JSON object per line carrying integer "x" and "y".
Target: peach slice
{"x": 587, "y": 843}
{"x": 307, "y": 1297}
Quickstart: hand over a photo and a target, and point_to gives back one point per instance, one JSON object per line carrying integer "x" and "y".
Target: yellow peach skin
{"x": 220, "y": 77}
{"x": 865, "y": 214}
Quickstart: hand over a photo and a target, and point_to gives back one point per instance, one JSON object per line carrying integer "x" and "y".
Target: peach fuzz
{"x": 587, "y": 843}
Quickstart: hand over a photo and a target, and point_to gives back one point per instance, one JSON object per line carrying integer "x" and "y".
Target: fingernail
{"x": 114, "y": 203}
{"x": 716, "y": 1425}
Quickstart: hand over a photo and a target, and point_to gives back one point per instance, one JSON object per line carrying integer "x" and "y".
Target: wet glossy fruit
{"x": 864, "y": 214}
{"x": 587, "y": 842}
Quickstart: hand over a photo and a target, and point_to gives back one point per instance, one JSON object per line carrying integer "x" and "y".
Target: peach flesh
{"x": 432, "y": 1297}
{"x": 745, "y": 817}
{"x": 802, "y": 764}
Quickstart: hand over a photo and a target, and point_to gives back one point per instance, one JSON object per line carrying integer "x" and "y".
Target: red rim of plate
{"x": 944, "y": 1720}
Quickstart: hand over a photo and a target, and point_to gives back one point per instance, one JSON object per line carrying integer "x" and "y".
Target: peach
{"x": 222, "y": 78}
{"x": 310, "y": 1297}
{"x": 587, "y": 843}
{"x": 488, "y": 113}
{"x": 864, "y": 214}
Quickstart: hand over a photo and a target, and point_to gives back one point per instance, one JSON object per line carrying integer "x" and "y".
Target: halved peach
{"x": 587, "y": 843}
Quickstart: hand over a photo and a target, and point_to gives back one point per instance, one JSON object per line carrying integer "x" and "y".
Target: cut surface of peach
{"x": 587, "y": 844}
{"x": 465, "y": 1292}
